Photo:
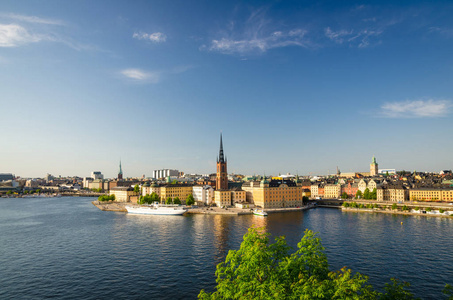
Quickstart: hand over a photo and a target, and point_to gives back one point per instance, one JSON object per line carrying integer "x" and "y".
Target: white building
{"x": 204, "y": 194}
{"x": 165, "y": 173}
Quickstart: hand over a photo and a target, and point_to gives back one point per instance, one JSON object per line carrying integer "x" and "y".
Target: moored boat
{"x": 259, "y": 212}
{"x": 156, "y": 209}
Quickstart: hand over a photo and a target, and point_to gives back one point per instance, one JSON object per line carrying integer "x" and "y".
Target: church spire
{"x": 221, "y": 157}
{"x": 120, "y": 172}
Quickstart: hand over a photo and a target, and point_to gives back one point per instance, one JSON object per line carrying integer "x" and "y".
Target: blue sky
{"x": 294, "y": 86}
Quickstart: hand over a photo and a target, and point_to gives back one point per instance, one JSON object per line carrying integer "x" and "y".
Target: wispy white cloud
{"x": 156, "y": 37}
{"x": 261, "y": 43}
{"x": 13, "y": 35}
{"x": 256, "y": 35}
{"x": 32, "y": 19}
{"x": 152, "y": 77}
{"x": 416, "y": 109}
{"x": 361, "y": 38}
{"x": 139, "y": 75}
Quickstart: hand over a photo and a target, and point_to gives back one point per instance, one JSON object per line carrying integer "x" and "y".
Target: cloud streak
{"x": 359, "y": 37}
{"x": 32, "y": 19}
{"x": 416, "y": 109}
{"x": 256, "y": 35}
{"x": 139, "y": 75}
{"x": 156, "y": 37}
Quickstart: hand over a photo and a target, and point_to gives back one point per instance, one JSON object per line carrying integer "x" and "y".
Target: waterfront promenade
{"x": 120, "y": 206}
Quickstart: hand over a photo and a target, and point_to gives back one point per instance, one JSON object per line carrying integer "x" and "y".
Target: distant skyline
{"x": 299, "y": 87}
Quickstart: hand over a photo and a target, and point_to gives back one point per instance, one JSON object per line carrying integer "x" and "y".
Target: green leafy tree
{"x": 169, "y": 201}
{"x": 373, "y": 194}
{"x": 260, "y": 270}
{"x": 405, "y": 208}
{"x": 38, "y": 191}
{"x": 176, "y": 201}
{"x": 137, "y": 188}
{"x": 441, "y": 210}
{"x": 376, "y": 206}
{"x": 428, "y": 209}
{"x": 9, "y": 192}
{"x": 358, "y": 195}
{"x": 345, "y": 204}
{"x": 344, "y": 195}
{"x": 305, "y": 200}
{"x": 190, "y": 200}
{"x": 397, "y": 290}
{"x": 366, "y": 194}
{"x": 394, "y": 206}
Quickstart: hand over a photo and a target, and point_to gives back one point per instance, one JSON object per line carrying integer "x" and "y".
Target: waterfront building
{"x": 350, "y": 189}
{"x": 273, "y": 194}
{"x": 238, "y": 196}
{"x": 222, "y": 198}
{"x": 182, "y": 191}
{"x": 124, "y": 194}
{"x": 221, "y": 175}
{"x": 164, "y": 173}
{"x": 203, "y": 194}
{"x": 332, "y": 191}
{"x": 392, "y": 192}
{"x": 148, "y": 189}
{"x": 314, "y": 190}
{"x": 374, "y": 167}
{"x": 431, "y": 194}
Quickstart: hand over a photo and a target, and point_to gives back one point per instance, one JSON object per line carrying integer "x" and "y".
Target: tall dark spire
{"x": 221, "y": 157}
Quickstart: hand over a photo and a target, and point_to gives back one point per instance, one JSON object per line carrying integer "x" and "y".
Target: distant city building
{"x": 124, "y": 194}
{"x": 97, "y": 175}
{"x": 164, "y": 173}
{"x": 6, "y": 176}
{"x": 385, "y": 171}
{"x": 373, "y": 167}
{"x": 120, "y": 172}
{"x": 274, "y": 194}
{"x": 49, "y": 178}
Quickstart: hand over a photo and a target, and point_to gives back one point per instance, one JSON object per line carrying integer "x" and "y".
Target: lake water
{"x": 66, "y": 248}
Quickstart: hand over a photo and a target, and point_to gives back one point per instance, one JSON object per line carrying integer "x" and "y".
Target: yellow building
{"x": 222, "y": 198}
{"x": 181, "y": 191}
{"x": 332, "y": 191}
{"x": 393, "y": 193}
{"x": 238, "y": 196}
{"x": 273, "y": 194}
{"x": 124, "y": 194}
{"x": 148, "y": 189}
{"x": 431, "y": 194}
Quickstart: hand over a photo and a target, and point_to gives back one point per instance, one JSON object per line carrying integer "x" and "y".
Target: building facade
{"x": 273, "y": 194}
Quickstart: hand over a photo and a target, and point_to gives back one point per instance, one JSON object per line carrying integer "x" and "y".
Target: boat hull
{"x": 156, "y": 211}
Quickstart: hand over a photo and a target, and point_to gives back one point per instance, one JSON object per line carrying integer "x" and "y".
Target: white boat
{"x": 156, "y": 209}
{"x": 260, "y": 213}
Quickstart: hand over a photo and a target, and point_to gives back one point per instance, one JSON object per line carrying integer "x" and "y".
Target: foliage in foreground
{"x": 259, "y": 270}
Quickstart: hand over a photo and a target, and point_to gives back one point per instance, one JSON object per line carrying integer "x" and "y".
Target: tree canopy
{"x": 260, "y": 270}
{"x": 190, "y": 200}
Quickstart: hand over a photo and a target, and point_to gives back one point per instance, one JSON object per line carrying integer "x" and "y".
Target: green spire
{"x": 373, "y": 161}
{"x": 120, "y": 171}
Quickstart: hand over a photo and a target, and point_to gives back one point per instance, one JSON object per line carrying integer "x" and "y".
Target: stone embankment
{"x": 396, "y": 212}
{"x": 111, "y": 206}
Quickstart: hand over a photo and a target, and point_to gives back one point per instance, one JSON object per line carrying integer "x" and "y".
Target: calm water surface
{"x": 66, "y": 248}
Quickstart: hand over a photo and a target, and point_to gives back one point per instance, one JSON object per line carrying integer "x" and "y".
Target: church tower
{"x": 221, "y": 182}
{"x": 120, "y": 173}
{"x": 373, "y": 167}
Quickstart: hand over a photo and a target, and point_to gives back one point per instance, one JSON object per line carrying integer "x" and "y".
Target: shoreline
{"x": 120, "y": 207}
{"x": 367, "y": 210}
